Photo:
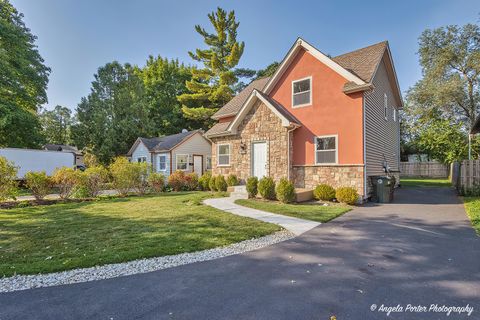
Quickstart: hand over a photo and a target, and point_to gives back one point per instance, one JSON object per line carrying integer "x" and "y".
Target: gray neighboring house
{"x": 66, "y": 148}
{"x": 188, "y": 151}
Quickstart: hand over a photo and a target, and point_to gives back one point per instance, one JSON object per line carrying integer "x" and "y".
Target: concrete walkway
{"x": 294, "y": 225}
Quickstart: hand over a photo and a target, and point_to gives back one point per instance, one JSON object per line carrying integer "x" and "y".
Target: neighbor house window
{"x": 385, "y": 106}
{"x": 182, "y": 161}
{"x": 142, "y": 159}
{"x": 223, "y": 155}
{"x": 394, "y": 114}
{"x": 302, "y": 92}
{"x": 209, "y": 163}
{"x": 162, "y": 163}
{"x": 326, "y": 150}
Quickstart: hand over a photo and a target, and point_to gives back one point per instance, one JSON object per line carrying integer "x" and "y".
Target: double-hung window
{"x": 162, "y": 163}
{"x": 326, "y": 150}
{"x": 302, "y": 92}
{"x": 209, "y": 163}
{"x": 182, "y": 161}
{"x": 141, "y": 159}
{"x": 223, "y": 155}
{"x": 395, "y": 115}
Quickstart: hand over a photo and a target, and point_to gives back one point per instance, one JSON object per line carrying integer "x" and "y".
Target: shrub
{"x": 90, "y": 181}
{"x": 39, "y": 183}
{"x": 211, "y": 184}
{"x": 252, "y": 187}
{"x": 266, "y": 188}
{"x": 347, "y": 195}
{"x": 232, "y": 180}
{"x": 156, "y": 181}
{"x": 191, "y": 181}
{"x": 65, "y": 179}
{"x": 125, "y": 175}
{"x": 177, "y": 180}
{"x": 8, "y": 182}
{"x": 285, "y": 191}
{"x": 220, "y": 183}
{"x": 324, "y": 192}
{"x": 141, "y": 176}
{"x": 204, "y": 180}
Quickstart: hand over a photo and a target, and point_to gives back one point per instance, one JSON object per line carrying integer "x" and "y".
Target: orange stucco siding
{"x": 332, "y": 112}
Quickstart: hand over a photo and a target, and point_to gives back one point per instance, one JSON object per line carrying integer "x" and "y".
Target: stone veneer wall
{"x": 336, "y": 176}
{"x": 260, "y": 124}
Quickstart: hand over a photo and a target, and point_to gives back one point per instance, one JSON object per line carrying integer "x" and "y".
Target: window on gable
{"x": 223, "y": 155}
{"x": 302, "y": 92}
{"x": 162, "y": 163}
{"x": 385, "y": 105}
{"x": 182, "y": 161}
{"x": 326, "y": 150}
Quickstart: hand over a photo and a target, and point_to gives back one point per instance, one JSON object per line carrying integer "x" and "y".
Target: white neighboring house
{"x": 66, "y": 148}
{"x": 189, "y": 151}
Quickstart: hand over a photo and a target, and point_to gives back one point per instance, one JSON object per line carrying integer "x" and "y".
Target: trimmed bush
{"x": 93, "y": 179}
{"x": 191, "y": 181}
{"x": 142, "y": 171}
{"x": 125, "y": 175}
{"x": 232, "y": 180}
{"x": 252, "y": 187}
{"x": 324, "y": 192}
{"x": 39, "y": 183}
{"x": 177, "y": 180}
{"x": 220, "y": 183}
{"x": 156, "y": 181}
{"x": 8, "y": 182}
{"x": 347, "y": 195}
{"x": 285, "y": 191}
{"x": 266, "y": 188}
{"x": 204, "y": 181}
{"x": 211, "y": 184}
{"x": 65, "y": 179}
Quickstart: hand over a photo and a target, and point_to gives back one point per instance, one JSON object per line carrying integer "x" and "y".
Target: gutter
{"x": 362, "y": 87}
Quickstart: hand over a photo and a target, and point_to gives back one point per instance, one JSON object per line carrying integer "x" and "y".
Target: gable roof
{"x": 61, "y": 147}
{"x": 234, "y": 105}
{"x": 165, "y": 143}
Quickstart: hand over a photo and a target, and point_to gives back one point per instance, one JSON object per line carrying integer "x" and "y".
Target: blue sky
{"x": 75, "y": 37}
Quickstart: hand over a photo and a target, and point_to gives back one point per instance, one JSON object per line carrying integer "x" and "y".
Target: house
{"x": 66, "y": 148}
{"x": 316, "y": 120}
{"x": 189, "y": 151}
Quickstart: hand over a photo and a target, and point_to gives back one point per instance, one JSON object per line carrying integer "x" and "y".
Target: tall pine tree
{"x": 213, "y": 86}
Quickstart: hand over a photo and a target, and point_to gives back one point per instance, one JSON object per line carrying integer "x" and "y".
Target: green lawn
{"x": 424, "y": 182}
{"x": 310, "y": 211}
{"x": 472, "y": 206}
{"x": 66, "y": 236}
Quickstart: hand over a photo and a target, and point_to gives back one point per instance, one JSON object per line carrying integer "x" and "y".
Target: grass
{"x": 472, "y": 206}
{"x": 66, "y": 236}
{"x": 424, "y": 182}
{"x": 308, "y": 211}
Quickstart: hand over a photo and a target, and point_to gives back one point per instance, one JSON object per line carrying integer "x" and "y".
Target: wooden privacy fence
{"x": 424, "y": 169}
{"x": 469, "y": 174}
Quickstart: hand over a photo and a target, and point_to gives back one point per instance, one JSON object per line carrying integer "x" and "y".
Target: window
{"x": 182, "y": 161}
{"x": 142, "y": 159}
{"x": 302, "y": 92}
{"x": 162, "y": 163}
{"x": 209, "y": 163}
{"x": 385, "y": 106}
{"x": 326, "y": 150}
{"x": 394, "y": 114}
{"x": 223, "y": 155}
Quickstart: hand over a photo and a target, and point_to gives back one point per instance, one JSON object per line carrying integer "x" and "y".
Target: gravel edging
{"x": 23, "y": 282}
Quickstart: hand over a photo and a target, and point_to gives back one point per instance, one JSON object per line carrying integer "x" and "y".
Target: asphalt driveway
{"x": 420, "y": 250}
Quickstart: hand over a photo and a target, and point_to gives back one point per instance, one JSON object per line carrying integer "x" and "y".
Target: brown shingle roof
{"x": 217, "y": 128}
{"x": 363, "y": 62}
{"x": 290, "y": 117}
{"x": 234, "y": 105}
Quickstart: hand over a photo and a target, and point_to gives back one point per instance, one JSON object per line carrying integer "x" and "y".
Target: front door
{"x": 259, "y": 159}
{"x": 198, "y": 165}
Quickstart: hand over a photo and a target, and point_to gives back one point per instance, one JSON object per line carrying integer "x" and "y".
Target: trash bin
{"x": 383, "y": 188}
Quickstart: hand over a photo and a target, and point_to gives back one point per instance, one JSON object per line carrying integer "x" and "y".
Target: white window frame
{"x": 143, "y": 158}
{"x": 394, "y": 114}
{"x": 336, "y": 149}
{"x": 311, "y": 89}
{"x": 159, "y": 162}
{"x": 207, "y": 167}
{"x": 385, "y": 106}
{"x": 229, "y": 154}
{"x": 176, "y": 161}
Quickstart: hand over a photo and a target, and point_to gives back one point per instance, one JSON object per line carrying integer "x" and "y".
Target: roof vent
{"x": 184, "y": 130}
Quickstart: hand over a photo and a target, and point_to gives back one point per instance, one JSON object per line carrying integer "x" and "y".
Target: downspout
{"x": 364, "y": 150}
{"x": 288, "y": 150}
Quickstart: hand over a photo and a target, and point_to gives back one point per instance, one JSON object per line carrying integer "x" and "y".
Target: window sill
{"x": 302, "y": 105}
